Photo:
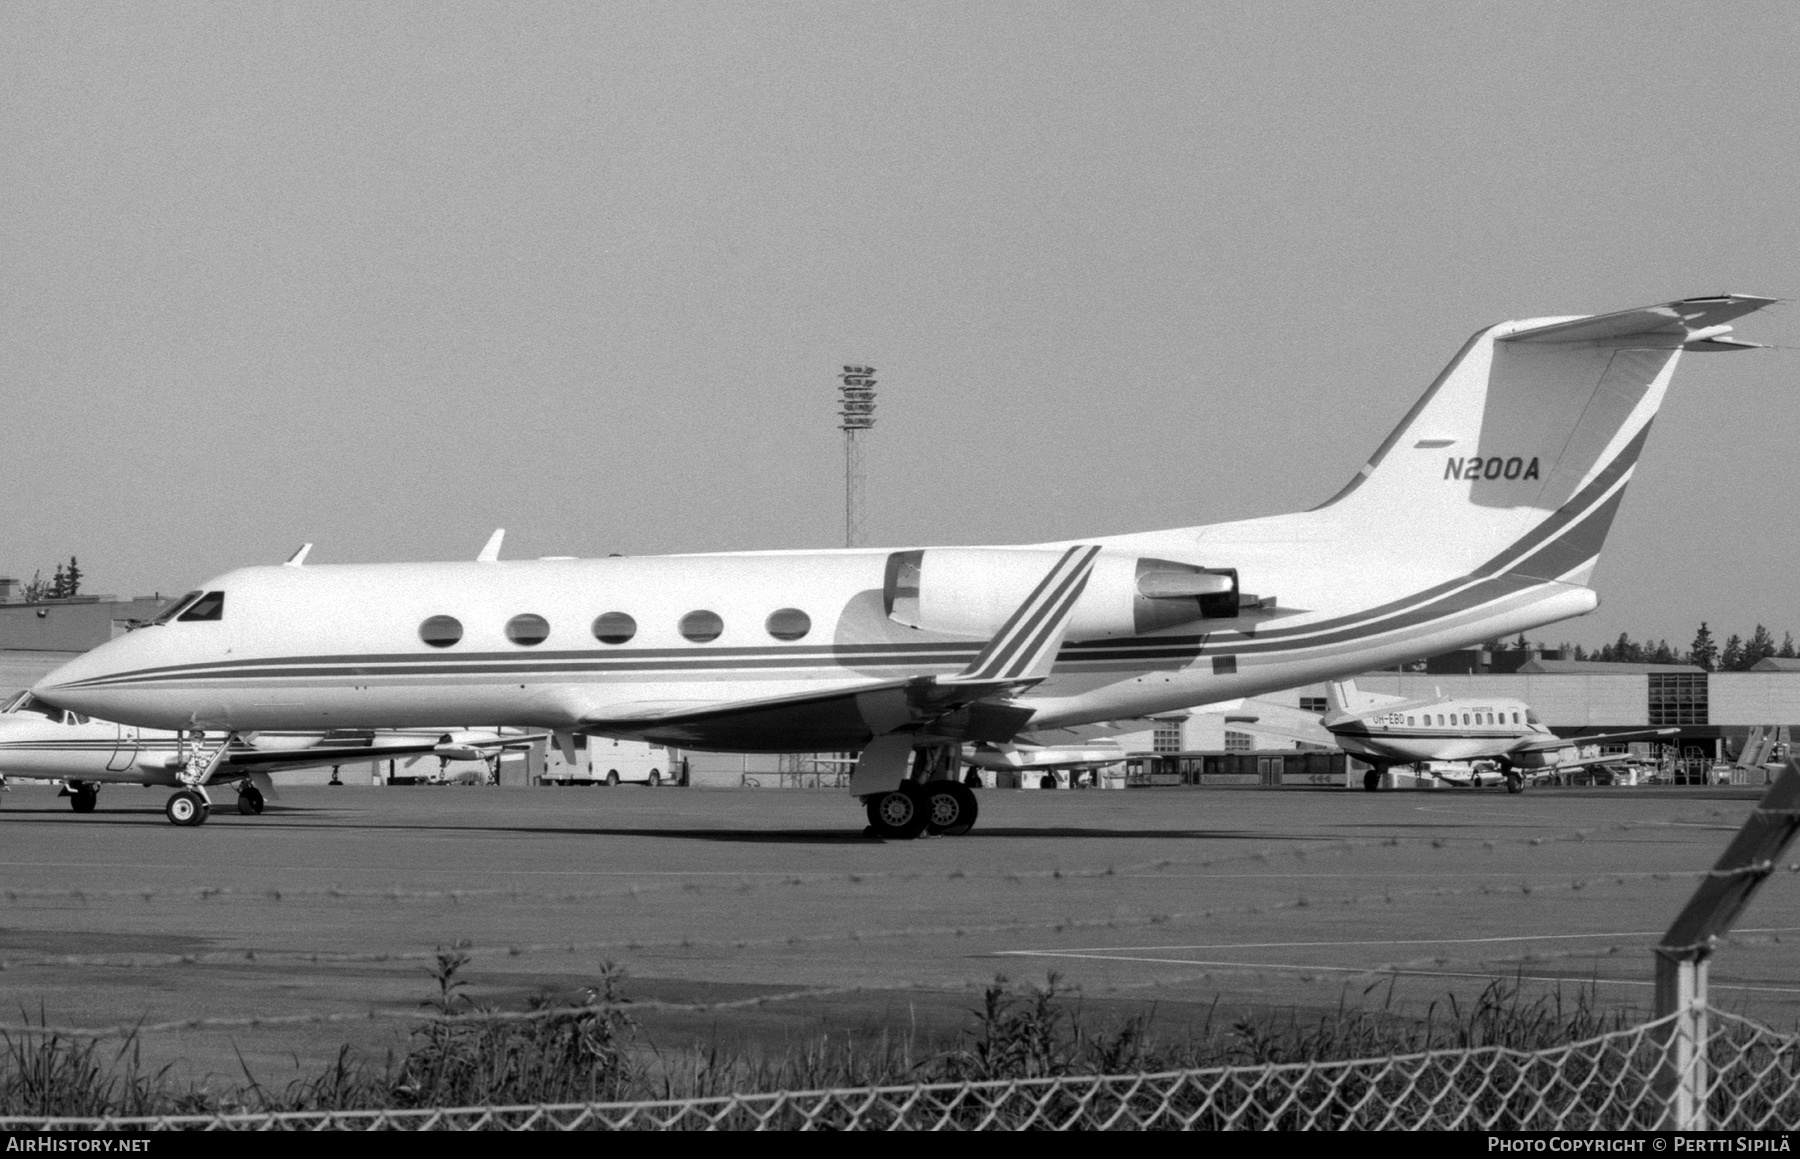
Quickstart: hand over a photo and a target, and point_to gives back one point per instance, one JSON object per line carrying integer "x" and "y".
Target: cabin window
{"x": 702, "y": 626}
{"x": 614, "y": 628}
{"x": 527, "y": 629}
{"x": 1409, "y": 721}
{"x": 441, "y": 631}
{"x": 1465, "y": 719}
{"x": 788, "y": 624}
{"x": 176, "y": 608}
{"x": 1515, "y": 718}
{"x": 210, "y": 606}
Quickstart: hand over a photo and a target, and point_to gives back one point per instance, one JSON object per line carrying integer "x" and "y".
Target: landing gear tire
{"x": 655, "y": 779}
{"x": 950, "y": 808}
{"x": 898, "y": 814}
{"x": 1372, "y": 780}
{"x": 250, "y": 801}
{"x": 1515, "y": 783}
{"x": 187, "y": 808}
{"x": 612, "y": 778}
{"x": 82, "y": 798}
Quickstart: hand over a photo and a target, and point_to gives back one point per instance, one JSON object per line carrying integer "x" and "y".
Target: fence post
{"x": 1681, "y": 1078}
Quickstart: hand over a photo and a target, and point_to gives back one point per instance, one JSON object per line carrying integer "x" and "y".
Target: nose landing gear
{"x": 188, "y": 807}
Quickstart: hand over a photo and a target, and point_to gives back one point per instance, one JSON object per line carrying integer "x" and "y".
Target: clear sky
{"x": 388, "y": 276}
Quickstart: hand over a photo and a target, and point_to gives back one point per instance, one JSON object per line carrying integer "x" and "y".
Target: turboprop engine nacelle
{"x": 971, "y": 591}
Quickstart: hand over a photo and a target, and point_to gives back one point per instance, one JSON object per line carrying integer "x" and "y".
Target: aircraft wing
{"x": 324, "y": 754}
{"x": 1551, "y": 744}
{"x": 825, "y": 719}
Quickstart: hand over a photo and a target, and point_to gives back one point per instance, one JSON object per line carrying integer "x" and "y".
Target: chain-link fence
{"x": 1647, "y": 1077}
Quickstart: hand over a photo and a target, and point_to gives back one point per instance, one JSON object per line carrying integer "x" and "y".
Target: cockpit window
{"x": 210, "y": 606}
{"x": 1531, "y": 717}
{"x": 176, "y": 608}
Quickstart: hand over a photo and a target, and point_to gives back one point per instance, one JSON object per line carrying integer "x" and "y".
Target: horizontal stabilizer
{"x": 1668, "y": 326}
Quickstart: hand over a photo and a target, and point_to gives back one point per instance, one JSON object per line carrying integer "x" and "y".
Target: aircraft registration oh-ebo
{"x": 1480, "y": 516}
{"x": 1392, "y": 730}
{"x": 40, "y": 742}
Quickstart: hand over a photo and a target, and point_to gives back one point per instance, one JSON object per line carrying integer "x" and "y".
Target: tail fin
{"x": 1344, "y": 698}
{"x": 1518, "y": 455}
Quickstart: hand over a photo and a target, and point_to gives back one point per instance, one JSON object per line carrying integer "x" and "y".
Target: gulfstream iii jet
{"x": 1393, "y": 730}
{"x": 1480, "y": 516}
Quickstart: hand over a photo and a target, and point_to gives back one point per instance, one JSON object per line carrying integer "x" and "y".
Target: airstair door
{"x": 125, "y": 751}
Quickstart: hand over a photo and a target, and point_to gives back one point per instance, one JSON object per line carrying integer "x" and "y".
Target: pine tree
{"x": 59, "y": 586}
{"x": 1704, "y": 653}
{"x": 1787, "y": 647}
{"x": 1732, "y": 658}
{"x": 1521, "y": 644}
{"x": 1760, "y": 647}
{"x": 35, "y": 590}
{"x": 1580, "y": 652}
{"x": 1663, "y": 654}
{"x": 73, "y": 576}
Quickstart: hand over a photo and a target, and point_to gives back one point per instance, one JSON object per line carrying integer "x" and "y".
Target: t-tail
{"x": 1515, "y": 460}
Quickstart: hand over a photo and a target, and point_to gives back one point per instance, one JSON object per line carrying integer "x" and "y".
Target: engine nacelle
{"x": 971, "y": 591}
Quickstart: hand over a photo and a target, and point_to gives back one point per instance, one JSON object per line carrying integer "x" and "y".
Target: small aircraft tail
{"x": 1344, "y": 698}
{"x": 1515, "y": 460}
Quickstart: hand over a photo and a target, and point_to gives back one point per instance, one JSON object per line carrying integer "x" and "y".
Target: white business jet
{"x": 1392, "y": 730}
{"x": 1481, "y": 515}
{"x": 41, "y": 742}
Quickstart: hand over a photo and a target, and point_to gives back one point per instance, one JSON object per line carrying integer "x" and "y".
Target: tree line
{"x": 64, "y": 584}
{"x": 1737, "y": 654}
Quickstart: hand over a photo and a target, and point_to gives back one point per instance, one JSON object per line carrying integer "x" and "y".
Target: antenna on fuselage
{"x": 298, "y": 559}
{"x": 491, "y": 553}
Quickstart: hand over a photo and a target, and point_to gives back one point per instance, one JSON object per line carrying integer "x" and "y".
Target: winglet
{"x": 299, "y": 557}
{"x": 1025, "y": 647}
{"x": 491, "y": 553}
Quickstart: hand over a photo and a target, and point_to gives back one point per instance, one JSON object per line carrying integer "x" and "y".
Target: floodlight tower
{"x": 856, "y": 416}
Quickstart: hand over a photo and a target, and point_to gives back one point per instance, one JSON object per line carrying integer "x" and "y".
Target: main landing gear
{"x": 1372, "y": 780}
{"x": 83, "y": 797}
{"x": 929, "y": 801}
{"x": 1515, "y": 781}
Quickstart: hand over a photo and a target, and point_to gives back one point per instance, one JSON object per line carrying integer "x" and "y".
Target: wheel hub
{"x": 896, "y": 809}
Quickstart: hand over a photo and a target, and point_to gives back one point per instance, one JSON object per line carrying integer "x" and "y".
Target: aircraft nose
{"x": 78, "y": 684}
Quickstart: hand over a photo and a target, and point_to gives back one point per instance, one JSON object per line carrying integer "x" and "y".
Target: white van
{"x": 601, "y": 760}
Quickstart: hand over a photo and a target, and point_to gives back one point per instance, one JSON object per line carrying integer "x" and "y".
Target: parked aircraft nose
{"x": 91, "y": 683}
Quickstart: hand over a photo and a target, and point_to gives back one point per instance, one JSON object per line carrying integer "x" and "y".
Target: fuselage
{"x": 545, "y": 643}
{"x": 1442, "y": 730}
